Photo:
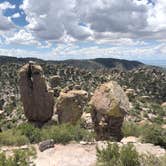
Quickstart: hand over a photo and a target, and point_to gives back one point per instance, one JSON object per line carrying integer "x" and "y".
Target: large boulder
{"x": 70, "y": 105}
{"x": 109, "y": 105}
{"x": 37, "y": 98}
{"x": 163, "y": 105}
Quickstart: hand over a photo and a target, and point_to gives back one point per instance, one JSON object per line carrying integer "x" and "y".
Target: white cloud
{"x": 15, "y": 15}
{"x": 112, "y": 15}
{"x": 162, "y": 49}
{"x": 22, "y": 53}
{"x": 18, "y": 53}
{"x": 6, "y": 5}
{"x": 90, "y": 20}
{"x": 119, "y": 29}
{"x": 5, "y": 22}
{"x": 157, "y": 19}
{"x": 74, "y": 51}
{"x": 64, "y": 51}
{"x": 24, "y": 37}
{"x": 51, "y": 20}
{"x": 21, "y": 37}
{"x": 121, "y": 42}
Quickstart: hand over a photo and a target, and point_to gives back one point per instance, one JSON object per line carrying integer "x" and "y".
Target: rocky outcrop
{"x": 70, "y": 105}
{"x": 55, "y": 81}
{"x": 109, "y": 105}
{"x": 86, "y": 120}
{"x": 37, "y": 98}
{"x": 163, "y": 105}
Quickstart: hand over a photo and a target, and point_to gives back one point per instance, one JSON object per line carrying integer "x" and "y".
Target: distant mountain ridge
{"x": 160, "y": 63}
{"x": 89, "y": 64}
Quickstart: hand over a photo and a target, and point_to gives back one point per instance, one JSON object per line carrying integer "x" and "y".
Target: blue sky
{"x": 83, "y": 29}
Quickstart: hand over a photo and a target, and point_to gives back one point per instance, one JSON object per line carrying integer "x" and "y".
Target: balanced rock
{"x": 70, "y": 105}
{"x": 109, "y": 105}
{"x": 38, "y": 101}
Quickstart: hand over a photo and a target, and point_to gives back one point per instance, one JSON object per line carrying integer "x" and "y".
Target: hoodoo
{"x": 37, "y": 97}
{"x": 109, "y": 106}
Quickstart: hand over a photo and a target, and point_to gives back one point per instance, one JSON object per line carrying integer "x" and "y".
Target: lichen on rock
{"x": 70, "y": 105}
{"x": 109, "y": 105}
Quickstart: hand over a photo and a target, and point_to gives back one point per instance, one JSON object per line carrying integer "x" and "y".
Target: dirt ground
{"x": 80, "y": 154}
{"x": 67, "y": 155}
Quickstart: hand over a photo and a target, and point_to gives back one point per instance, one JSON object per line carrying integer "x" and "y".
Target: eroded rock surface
{"x": 37, "y": 98}
{"x": 70, "y": 105}
{"x": 109, "y": 105}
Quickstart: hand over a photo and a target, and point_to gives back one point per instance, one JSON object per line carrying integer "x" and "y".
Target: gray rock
{"x": 46, "y": 145}
{"x": 70, "y": 105}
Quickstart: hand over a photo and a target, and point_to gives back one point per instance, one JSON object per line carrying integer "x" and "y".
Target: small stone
{"x": 83, "y": 142}
{"x": 46, "y": 145}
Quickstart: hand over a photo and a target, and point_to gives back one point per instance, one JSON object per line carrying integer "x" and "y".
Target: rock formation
{"x": 70, "y": 105}
{"x": 37, "y": 99}
{"x": 109, "y": 105}
{"x": 55, "y": 81}
{"x": 163, "y": 105}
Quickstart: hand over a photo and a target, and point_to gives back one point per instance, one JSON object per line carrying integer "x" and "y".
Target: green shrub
{"x": 19, "y": 158}
{"x": 130, "y": 129}
{"x": 27, "y": 133}
{"x": 113, "y": 155}
{"x": 108, "y": 156}
{"x": 157, "y": 109}
{"x": 2, "y": 159}
{"x": 154, "y": 134}
{"x": 129, "y": 156}
{"x": 13, "y": 137}
{"x": 59, "y": 134}
{"x": 151, "y": 160}
{"x": 9, "y": 108}
{"x": 31, "y": 132}
{"x": 149, "y": 133}
{"x": 65, "y": 133}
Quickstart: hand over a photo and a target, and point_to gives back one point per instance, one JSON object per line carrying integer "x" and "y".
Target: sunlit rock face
{"x": 109, "y": 105}
{"x": 70, "y": 105}
{"x": 37, "y": 97}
